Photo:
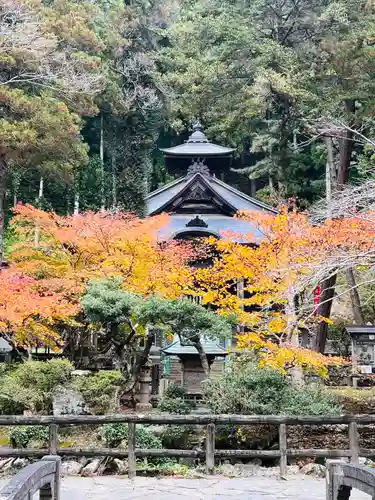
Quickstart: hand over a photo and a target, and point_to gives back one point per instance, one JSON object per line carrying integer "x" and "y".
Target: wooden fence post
{"x": 283, "y": 451}
{"x": 354, "y": 442}
{"x": 210, "y": 449}
{"x": 52, "y": 444}
{"x": 132, "y": 465}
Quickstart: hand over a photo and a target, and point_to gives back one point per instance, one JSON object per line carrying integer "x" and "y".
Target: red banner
{"x": 316, "y": 299}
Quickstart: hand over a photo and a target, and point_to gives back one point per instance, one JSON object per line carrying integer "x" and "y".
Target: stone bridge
{"x": 214, "y": 488}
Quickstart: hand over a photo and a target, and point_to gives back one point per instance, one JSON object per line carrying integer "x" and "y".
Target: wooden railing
{"x": 42, "y": 476}
{"x": 341, "y": 478}
{"x": 210, "y": 453}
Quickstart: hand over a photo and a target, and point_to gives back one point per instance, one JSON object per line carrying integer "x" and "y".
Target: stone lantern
{"x": 144, "y": 388}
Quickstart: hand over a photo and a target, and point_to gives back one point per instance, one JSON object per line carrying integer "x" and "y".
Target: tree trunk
{"x": 330, "y": 169}
{"x": 102, "y": 197}
{"x": 114, "y": 182}
{"x": 203, "y": 356}
{"x": 3, "y": 171}
{"x": 270, "y": 184}
{"x": 41, "y": 188}
{"x": 40, "y": 196}
{"x": 345, "y": 147}
{"x": 326, "y": 297}
{"x": 76, "y": 203}
{"x": 342, "y": 176}
{"x": 354, "y": 297}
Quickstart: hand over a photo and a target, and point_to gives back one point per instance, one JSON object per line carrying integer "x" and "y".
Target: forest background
{"x": 287, "y": 83}
{"x": 91, "y": 90}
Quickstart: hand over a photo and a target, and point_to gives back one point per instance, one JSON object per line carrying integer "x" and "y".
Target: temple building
{"x": 199, "y": 204}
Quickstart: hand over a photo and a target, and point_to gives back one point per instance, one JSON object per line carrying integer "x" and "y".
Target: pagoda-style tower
{"x": 198, "y": 202}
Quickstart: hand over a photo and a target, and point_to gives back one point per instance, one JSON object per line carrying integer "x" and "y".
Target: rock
{"x": 4, "y": 462}
{"x": 71, "y": 468}
{"x": 293, "y": 469}
{"x": 312, "y": 469}
{"x": 8, "y": 465}
{"x": 157, "y": 430}
{"x": 189, "y": 462}
{"x": 66, "y": 401}
{"x": 115, "y": 466}
{"x": 84, "y": 461}
{"x": 91, "y": 469}
{"x": 246, "y": 470}
{"x": 20, "y": 463}
{"x": 121, "y": 466}
{"x": 229, "y": 470}
{"x": 256, "y": 461}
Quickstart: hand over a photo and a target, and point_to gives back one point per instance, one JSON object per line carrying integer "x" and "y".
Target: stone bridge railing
{"x": 343, "y": 477}
{"x": 42, "y": 476}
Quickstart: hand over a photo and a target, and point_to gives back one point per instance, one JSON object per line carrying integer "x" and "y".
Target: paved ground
{"x": 254, "y": 488}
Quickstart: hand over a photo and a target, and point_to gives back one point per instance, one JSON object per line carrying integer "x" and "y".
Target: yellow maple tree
{"x": 277, "y": 276}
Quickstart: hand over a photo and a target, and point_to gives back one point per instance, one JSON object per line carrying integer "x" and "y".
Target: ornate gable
{"x": 198, "y": 197}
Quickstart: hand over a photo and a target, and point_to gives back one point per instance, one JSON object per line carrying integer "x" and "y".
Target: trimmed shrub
{"x": 251, "y": 390}
{"x": 175, "y": 405}
{"x": 175, "y": 391}
{"x": 20, "y": 437}
{"x": 30, "y": 385}
{"x": 100, "y": 390}
{"x": 177, "y": 436}
{"x": 115, "y": 434}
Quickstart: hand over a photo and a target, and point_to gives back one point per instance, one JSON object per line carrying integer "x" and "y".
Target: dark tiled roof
{"x": 357, "y": 329}
{"x": 240, "y": 201}
{"x": 5, "y": 346}
{"x": 217, "y": 225}
{"x": 198, "y": 146}
{"x": 198, "y": 149}
{"x": 210, "y": 348}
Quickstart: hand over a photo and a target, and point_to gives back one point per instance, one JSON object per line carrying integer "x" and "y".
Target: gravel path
{"x": 216, "y": 488}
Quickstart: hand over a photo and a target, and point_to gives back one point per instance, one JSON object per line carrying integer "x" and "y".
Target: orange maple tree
{"x": 99, "y": 245}
{"x": 278, "y": 275}
{"x": 29, "y": 309}
{"x": 69, "y": 252}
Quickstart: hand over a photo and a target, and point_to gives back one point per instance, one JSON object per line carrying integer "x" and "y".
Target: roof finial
{"x": 196, "y": 125}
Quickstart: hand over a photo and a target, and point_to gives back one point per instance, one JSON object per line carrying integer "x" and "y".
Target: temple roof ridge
{"x": 243, "y": 195}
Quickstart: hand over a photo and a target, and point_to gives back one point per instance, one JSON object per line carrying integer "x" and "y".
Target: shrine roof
{"x": 5, "y": 346}
{"x": 198, "y": 149}
{"x": 217, "y": 225}
{"x": 360, "y": 329}
{"x": 210, "y": 347}
{"x": 198, "y": 146}
{"x": 156, "y": 200}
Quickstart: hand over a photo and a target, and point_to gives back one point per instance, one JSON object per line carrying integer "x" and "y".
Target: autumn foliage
{"x": 98, "y": 245}
{"x": 56, "y": 257}
{"x": 279, "y": 275}
{"x": 29, "y": 309}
